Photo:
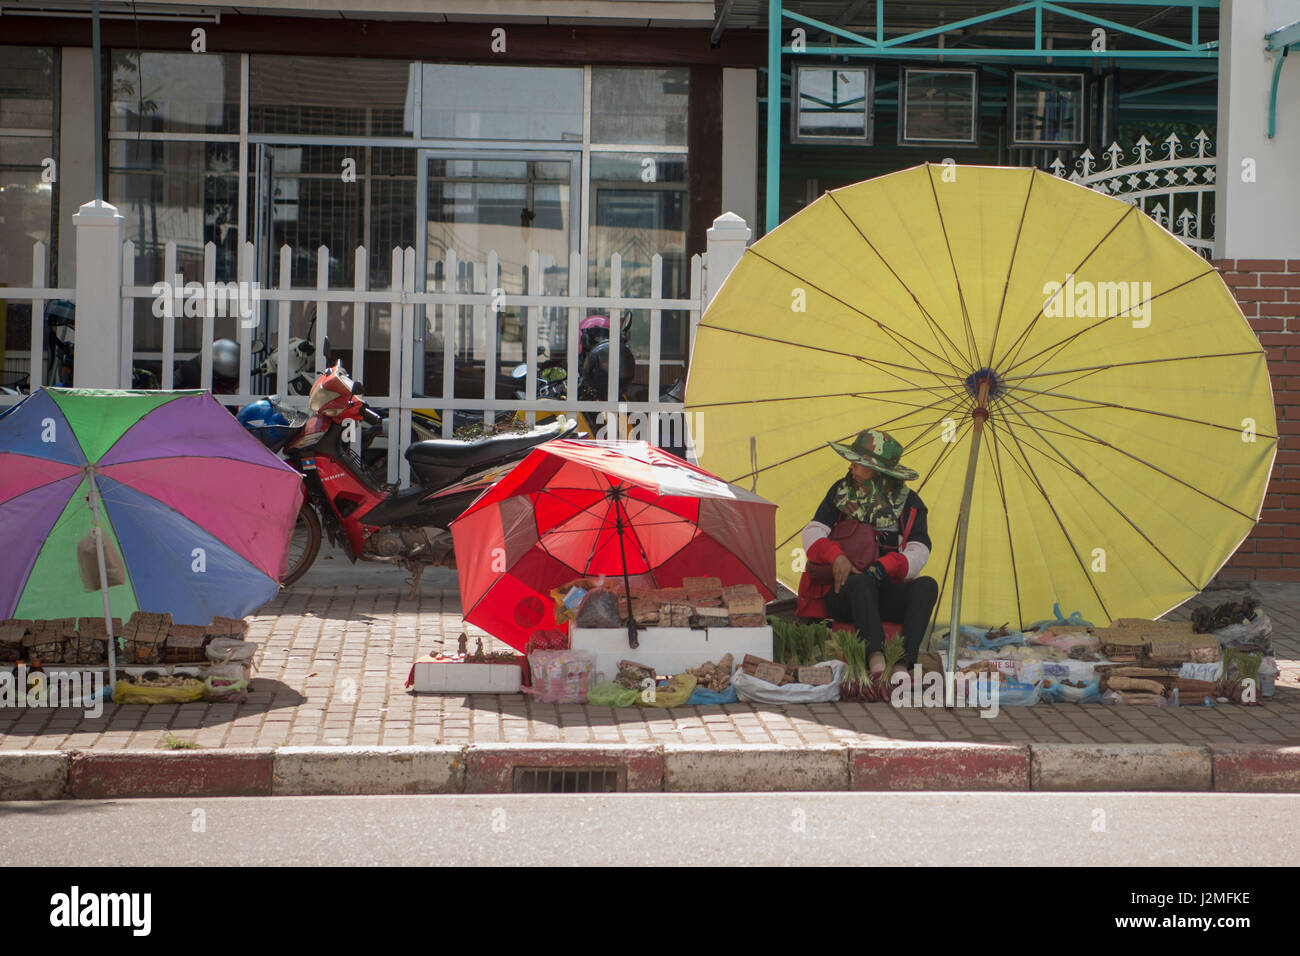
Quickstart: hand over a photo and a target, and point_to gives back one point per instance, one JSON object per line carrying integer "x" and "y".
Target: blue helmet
{"x": 267, "y": 421}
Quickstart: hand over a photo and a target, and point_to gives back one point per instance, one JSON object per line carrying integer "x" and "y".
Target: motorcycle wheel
{"x": 303, "y": 547}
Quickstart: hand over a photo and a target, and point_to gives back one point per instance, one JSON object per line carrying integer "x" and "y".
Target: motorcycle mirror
{"x": 257, "y": 345}
{"x": 520, "y": 371}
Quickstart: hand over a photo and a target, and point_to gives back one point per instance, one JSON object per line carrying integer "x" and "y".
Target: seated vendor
{"x": 873, "y": 493}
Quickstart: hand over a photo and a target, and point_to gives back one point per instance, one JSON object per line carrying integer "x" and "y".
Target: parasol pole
{"x": 980, "y": 414}
{"x": 103, "y": 580}
{"x": 632, "y": 641}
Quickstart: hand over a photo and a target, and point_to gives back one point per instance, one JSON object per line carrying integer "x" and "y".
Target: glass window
{"x": 833, "y": 105}
{"x": 27, "y": 87}
{"x": 638, "y": 209}
{"x": 939, "y": 106}
{"x": 635, "y": 106}
{"x": 175, "y": 92}
{"x": 27, "y": 96}
{"x": 314, "y": 95}
{"x": 1047, "y": 108}
{"x": 502, "y": 102}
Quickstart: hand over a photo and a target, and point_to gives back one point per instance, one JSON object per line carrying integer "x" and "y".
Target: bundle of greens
{"x": 853, "y": 650}
{"x": 800, "y": 645}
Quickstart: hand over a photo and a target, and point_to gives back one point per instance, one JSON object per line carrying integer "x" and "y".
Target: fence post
{"x": 99, "y": 297}
{"x": 727, "y": 238}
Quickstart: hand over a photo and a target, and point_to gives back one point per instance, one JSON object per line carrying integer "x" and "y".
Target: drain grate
{"x": 584, "y": 780}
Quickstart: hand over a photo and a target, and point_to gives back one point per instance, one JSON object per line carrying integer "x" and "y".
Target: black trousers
{"x": 866, "y": 602}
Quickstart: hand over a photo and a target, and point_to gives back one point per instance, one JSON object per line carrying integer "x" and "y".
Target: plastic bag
{"x": 228, "y": 683}
{"x": 703, "y": 697}
{"x": 88, "y": 563}
{"x": 1088, "y": 693}
{"x": 599, "y": 609}
{"x": 1254, "y": 633}
{"x": 750, "y": 688}
{"x": 983, "y": 642}
{"x": 225, "y": 690}
{"x": 674, "y": 692}
{"x": 1074, "y": 620}
{"x": 230, "y": 649}
{"x": 609, "y": 694}
{"x": 1012, "y": 693}
{"x": 124, "y": 692}
{"x": 561, "y": 677}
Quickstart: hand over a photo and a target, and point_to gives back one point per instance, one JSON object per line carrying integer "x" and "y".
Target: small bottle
{"x": 1173, "y": 698}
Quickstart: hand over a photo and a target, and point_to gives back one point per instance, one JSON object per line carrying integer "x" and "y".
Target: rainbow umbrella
{"x": 196, "y": 514}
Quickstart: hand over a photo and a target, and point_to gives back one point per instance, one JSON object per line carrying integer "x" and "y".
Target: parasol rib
{"x": 1102, "y": 368}
{"x": 1033, "y": 476}
{"x": 1141, "y": 461}
{"x": 859, "y": 358}
{"x": 852, "y": 308}
{"x": 821, "y": 447}
{"x": 806, "y": 398}
{"x": 1060, "y": 345}
{"x": 995, "y": 459}
{"x": 1019, "y": 339}
{"x": 935, "y": 327}
{"x": 1104, "y": 497}
{"x": 1096, "y": 403}
{"x": 942, "y": 455}
{"x": 973, "y": 357}
{"x": 1006, "y": 284}
{"x": 943, "y": 586}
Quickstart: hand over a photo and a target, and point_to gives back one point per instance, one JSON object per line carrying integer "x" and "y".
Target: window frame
{"x": 869, "y": 97}
{"x": 904, "y": 72}
{"x": 1014, "y": 141}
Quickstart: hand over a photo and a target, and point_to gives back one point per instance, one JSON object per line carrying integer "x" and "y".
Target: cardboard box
{"x": 817, "y": 676}
{"x": 772, "y": 673}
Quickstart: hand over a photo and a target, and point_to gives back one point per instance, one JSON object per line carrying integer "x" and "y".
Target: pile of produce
{"x": 699, "y": 602}
{"x": 714, "y": 677}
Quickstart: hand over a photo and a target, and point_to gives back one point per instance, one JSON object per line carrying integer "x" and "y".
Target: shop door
{"x": 475, "y": 204}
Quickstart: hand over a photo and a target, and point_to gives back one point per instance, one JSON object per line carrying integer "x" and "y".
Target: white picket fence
{"x": 1173, "y": 191}
{"x": 441, "y": 305}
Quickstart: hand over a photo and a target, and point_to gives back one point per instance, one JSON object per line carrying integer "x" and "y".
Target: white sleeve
{"x": 813, "y": 532}
{"x": 916, "y": 553}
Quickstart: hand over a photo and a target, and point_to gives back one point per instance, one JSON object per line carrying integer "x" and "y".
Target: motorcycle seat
{"x": 449, "y": 453}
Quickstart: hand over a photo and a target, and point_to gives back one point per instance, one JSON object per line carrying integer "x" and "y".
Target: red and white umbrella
{"x": 587, "y": 508}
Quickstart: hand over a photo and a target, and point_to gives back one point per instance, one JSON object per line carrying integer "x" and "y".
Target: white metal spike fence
{"x": 464, "y": 300}
{"x": 1176, "y": 191}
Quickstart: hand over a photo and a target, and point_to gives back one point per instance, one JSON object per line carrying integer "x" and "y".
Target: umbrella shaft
{"x": 959, "y": 565}
{"x": 103, "y": 581}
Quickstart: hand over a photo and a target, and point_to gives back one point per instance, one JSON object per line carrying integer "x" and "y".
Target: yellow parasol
{"x": 1089, "y": 412}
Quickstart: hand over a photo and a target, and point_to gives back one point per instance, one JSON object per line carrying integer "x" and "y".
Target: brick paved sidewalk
{"x": 334, "y": 659}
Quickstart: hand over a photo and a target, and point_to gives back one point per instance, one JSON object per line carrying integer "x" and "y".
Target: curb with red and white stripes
{"x": 671, "y": 768}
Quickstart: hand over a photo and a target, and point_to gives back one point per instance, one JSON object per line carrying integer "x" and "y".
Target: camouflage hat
{"x": 878, "y": 450}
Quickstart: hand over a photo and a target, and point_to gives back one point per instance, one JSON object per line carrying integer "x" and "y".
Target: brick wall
{"x": 1268, "y": 291}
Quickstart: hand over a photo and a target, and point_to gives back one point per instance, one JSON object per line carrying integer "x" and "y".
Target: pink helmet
{"x": 594, "y": 322}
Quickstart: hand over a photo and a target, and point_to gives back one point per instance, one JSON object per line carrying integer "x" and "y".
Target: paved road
{"x": 717, "y": 829}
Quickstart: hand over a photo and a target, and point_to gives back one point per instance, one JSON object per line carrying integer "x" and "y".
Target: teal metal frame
{"x": 1282, "y": 41}
{"x": 1158, "y": 47}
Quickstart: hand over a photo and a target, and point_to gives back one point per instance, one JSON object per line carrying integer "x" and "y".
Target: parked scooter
{"x": 367, "y": 521}
{"x": 60, "y": 329}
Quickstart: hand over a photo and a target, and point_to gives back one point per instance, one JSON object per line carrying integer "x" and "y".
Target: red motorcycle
{"x": 370, "y": 522}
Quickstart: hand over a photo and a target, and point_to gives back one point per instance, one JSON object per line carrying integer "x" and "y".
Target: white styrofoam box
{"x": 1033, "y": 671}
{"x": 670, "y": 650}
{"x": 454, "y": 677}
